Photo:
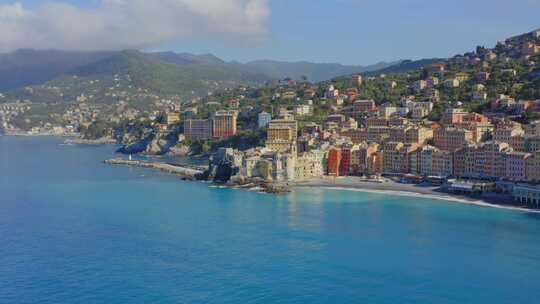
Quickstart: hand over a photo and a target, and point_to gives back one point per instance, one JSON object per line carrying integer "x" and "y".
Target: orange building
{"x": 352, "y": 93}
{"x": 334, "y": 162}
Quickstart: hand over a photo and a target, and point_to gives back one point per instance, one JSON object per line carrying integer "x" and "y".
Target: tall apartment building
{"x": 198, "y": 129}
{"x": 224, "y": 124}
{"x": 282, "y": 135}
{"x": 279, "y": 138}
{"x": 292, "y": 124}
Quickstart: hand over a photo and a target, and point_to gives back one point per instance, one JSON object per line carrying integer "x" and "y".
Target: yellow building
{"x": 173, "y": 118}
{"x": 282, "y": 135}
{"x": 418, "y": 135}
{"x": 462, "y": 77}
{"x": 396, "y": 157}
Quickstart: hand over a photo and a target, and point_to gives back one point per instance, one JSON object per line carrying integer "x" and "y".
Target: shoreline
{"x": 406, "y": 190}
{"x": 344, "y": 184}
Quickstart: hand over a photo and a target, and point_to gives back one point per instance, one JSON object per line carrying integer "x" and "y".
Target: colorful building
{"x": 451, "y": 139}
{"x": 224, "y": 124}
{"x": 516, "y": 166}
{"x": 333, "y": 162}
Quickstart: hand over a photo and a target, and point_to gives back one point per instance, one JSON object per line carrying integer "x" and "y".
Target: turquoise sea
{"x": 73, "y": 230}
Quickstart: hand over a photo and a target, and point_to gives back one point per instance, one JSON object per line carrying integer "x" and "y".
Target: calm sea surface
{"x": 73, "y": 230}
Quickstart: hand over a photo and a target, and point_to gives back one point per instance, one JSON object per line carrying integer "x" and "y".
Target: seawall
{"x": 187, "y": 173}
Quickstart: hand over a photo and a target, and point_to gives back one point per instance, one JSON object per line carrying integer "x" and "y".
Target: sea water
{"x": 74, "y": 230}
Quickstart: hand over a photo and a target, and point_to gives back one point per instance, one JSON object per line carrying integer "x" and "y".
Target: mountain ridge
{"x": 28, "y": 67}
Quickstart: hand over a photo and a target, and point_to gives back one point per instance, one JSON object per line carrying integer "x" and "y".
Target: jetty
{"x": 99, "y": 141}
{"x": 187, "y": 173}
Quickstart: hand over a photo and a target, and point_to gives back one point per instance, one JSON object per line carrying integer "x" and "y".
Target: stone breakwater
{"x": 99, "y": 141}
{"x": 186, "y": 173}
{"x": 199, "y": 174}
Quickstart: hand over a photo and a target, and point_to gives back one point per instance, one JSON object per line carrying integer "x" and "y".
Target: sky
{"x": 359, "y": 32}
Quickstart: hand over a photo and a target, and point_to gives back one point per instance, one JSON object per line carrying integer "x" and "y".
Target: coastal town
{"x": 270, "y": 151}
{"x": 470, "y": 124}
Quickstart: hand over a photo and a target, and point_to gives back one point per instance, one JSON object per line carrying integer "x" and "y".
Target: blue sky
{"x": 344, "y": 31}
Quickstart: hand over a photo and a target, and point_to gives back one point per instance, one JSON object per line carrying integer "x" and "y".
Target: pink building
{"x": 516, "y": 166}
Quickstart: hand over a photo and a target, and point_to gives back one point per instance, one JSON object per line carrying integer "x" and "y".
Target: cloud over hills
{"x": 129, "y": 24}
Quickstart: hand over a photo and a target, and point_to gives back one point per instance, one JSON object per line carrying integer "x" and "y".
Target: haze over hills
{"x": 31, "y": 67}
{"x": 314, "y": 72}
{"x": 61, "y": 76}
{"x": 162, "y": 71}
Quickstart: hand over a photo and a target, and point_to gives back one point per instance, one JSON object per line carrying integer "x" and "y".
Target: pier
{"x": 188, "y": 173}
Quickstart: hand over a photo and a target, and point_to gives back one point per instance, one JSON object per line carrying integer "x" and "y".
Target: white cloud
{"x": 129, "y": 24}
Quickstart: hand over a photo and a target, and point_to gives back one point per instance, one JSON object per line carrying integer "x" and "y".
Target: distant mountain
{"x": 151, "y": 72}
{"x": 130, "y": 73}
{"x": 163, "y": 71}
{"x": 315, "y": 72}
{"x": 30, "y": 67}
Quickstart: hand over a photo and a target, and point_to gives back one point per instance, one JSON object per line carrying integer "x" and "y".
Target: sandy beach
{"x": 359, "y": 185}
{"x": 410, "y": 190}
